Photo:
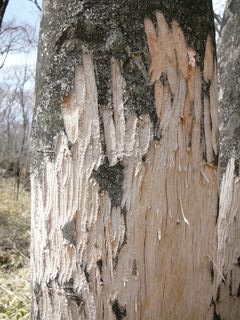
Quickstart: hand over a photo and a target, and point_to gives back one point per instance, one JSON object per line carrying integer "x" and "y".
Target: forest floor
{"x": 14, "y": 252}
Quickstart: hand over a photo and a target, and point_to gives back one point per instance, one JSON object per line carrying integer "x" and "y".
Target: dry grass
{"x": 14, "y": 252}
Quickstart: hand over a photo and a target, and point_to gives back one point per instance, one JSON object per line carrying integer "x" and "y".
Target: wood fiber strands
{"x": 123, "y": 223}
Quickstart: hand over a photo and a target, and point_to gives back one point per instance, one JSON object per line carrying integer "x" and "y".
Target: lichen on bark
{"x": 229, "y": 95}
{"x": 116, "y": 30}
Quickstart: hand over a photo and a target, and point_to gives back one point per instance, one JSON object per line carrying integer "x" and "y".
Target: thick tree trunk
{"x": 228, "y": 255}
{"x": 124, "y": 175}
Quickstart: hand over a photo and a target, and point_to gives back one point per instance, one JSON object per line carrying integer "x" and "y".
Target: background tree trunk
{"x": 124, "y": 176}
{"x": 228, "y": 255}
{"x": 3, "y": 7}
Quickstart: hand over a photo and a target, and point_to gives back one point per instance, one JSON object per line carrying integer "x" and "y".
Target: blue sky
{"x": 218, "y": 6}
{"x": 22, "y": 12}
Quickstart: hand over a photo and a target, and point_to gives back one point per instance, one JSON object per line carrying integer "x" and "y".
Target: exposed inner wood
{"x": 150, "y": 257}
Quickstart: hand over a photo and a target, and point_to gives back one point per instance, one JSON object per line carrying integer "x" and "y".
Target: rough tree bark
{"x": 227, "y": 280}
{"x": 124, "y": 175}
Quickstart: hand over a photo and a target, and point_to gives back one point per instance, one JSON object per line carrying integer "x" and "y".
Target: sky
{"x": 24, "y": 12}
{"x": 218, "y": 6}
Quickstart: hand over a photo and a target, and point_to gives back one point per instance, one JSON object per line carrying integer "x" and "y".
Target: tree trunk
{"x": 227, "y": 280}
{"x": 124, "y": 175}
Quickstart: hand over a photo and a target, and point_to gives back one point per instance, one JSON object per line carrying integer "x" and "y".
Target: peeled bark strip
{"x": 227, "y": 279}
{"x": 124, "y": 184}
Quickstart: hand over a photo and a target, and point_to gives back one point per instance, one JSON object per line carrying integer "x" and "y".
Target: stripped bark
{"x": 124, "y": 175}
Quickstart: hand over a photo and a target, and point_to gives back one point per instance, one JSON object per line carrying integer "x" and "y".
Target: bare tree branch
{"x": 16, "y": 102}
{"x": 218, "y": 23}
{"x": 36, "y": 4}
{"x": 218, "y": 18}
{"x": 15, "y": 39}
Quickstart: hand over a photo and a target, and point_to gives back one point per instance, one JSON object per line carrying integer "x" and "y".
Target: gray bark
{"x": 229, "y": 77}
{"x": 228, "y": 254}
{"x": 124, "y": 175}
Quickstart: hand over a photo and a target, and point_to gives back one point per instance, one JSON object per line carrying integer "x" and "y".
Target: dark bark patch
{"x": 69, "y": 231}
{"x": 50, "y": 287}
{"x": 238, "y": 261}
{"x": 52, "y": 284}
{"x": 218, "y": 294}
{"x": 236, "y": 169}
{"x": 100, "y": 265}
{"x": 211, "y": 271}
{"x": 206, "y": 87}
{"x": 87, "y": 275}
{"x": 124, "y": 213}
{"x": 238, "y": 292}
{"x": 139, "y": 96}
{"x": 216, "y": 316}
{"x": 134, "y": 267}
{"x": 71, "y": 293}
{"x": 218, "y": 209}
{"x": 164, "y": 78}
{"x": 202, "y": 138}
{"x": 110, "y": 179}
{"x": 215, "y": 159}
{"x": 115, "y": 259}
{"x": 83, "y": 30}
{"x": 230, "y": 284}
{"x": 102, "y": 61}
{"x": 119, "y": 311}
{"x": 37, "y": 291}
